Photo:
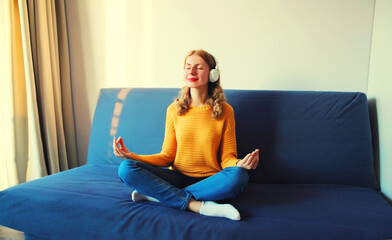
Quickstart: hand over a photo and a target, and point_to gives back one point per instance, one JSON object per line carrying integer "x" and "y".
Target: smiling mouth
{"x": 192, "y": 79}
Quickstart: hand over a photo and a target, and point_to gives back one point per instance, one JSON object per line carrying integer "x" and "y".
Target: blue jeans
{"x": 175, "y": 189}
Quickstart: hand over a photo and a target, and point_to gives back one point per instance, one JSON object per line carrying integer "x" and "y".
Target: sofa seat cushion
{"x": 91, "y": 202}
{"x": 306, "y": 211}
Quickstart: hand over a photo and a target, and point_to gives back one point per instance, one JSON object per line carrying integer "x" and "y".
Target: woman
{"x": 199, "y": 147}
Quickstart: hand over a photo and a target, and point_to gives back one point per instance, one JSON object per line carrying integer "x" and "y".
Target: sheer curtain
{"x": 36, "y": 106}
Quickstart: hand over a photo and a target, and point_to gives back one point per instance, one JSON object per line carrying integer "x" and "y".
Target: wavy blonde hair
{"x": 216, "y": 97}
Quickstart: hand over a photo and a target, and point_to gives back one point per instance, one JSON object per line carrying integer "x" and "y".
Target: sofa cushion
{"x": 305, "y": 137}
{"x": 91, "y": 202}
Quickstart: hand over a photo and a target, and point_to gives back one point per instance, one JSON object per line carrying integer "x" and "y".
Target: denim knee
{"x": 226, "y": 184}
{"x": 126, "y": 168}
{"x": 239, "y": 177}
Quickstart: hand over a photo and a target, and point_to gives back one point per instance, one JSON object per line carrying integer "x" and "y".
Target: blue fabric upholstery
{"x": 315, "y": 181}
{"x": 304, "y": 137}
{"x": 91, "y": 202}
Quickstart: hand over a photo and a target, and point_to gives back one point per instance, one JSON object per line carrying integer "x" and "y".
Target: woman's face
{"x": 196, "y": 72}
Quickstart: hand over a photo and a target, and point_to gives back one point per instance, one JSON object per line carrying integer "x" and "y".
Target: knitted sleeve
{"x": 229, "y": 142}
{"x": 166, "y": 157}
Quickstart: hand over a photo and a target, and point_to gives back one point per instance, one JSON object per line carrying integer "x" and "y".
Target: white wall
{"x": 284, "y": 44}
{"x": 380, "y": 86}
{"x": 260, "y": 44}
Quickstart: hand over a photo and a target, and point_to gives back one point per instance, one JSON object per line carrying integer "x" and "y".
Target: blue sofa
{"x": 316, "y": 178}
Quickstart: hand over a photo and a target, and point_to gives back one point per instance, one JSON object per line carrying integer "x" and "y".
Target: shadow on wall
{"x": 372, "y": 103}
{"x": 375, "y": 139}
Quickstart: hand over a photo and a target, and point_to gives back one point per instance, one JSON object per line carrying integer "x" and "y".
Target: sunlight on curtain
{"x": 19, "y": 91}
{"x": 48, "y": 83}
{"x": 36, "y": 166}
{"x": 52, "y": 142}
{"x": 38, "y": 135}
{"x": 8, "y": 173}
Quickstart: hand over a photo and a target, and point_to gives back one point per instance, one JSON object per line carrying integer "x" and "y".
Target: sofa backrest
{"x": 305, "y": 137}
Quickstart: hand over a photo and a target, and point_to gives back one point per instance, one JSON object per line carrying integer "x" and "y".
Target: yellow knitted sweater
{"x": 195, "y": 144}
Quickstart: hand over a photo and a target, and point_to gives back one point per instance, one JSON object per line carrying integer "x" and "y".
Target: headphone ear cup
{"x": 214, "y": 75}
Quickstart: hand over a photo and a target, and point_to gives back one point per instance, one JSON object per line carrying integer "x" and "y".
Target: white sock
{"x": 137, "y": 196}
{"x": 210, "y": 208}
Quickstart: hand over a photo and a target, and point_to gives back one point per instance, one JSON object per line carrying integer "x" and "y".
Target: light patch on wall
{"x": 123, "y": 94}
{"x": 147, "y": 37}
{"x": 113, "y": 130}
{"x": 117, "y": 109}
{"x": 115, "y": 25}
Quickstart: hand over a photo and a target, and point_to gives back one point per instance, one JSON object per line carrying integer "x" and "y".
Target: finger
{"x": 117, "y": 154}
{"x": 255, "y": 153}
{"x": 247, "y": 164}
{"x": 122, "y": 144}
{"x": 241, "y": 162}
{"x": 251, "y": 162}
{"x": 123, "y": 151}
{"x": 246, "y": 159}
{"x": 254, "y": 163}
{"x": 250, "y": 165}
{"x": 256, "y": 159}
{"x": 118, "y": 151}
{"x": 252, "y": 155}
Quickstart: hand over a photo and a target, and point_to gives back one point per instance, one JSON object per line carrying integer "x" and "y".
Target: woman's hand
{"x": 121, "y": 151}
{"x": 250, "y": 161}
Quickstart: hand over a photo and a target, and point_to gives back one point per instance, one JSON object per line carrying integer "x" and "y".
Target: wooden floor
{"x": 10, "y": 234}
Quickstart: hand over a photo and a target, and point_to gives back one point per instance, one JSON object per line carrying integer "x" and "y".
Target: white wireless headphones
{"x": 214, "y": 73}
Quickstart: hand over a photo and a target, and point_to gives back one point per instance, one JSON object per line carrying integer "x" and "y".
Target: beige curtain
{"x": 36, "y": 104}
{"x": 8, "y": 171}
